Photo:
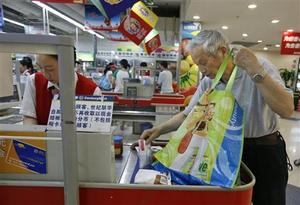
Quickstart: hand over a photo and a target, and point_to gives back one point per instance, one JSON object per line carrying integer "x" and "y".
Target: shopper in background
{"x": 105, "y": 82}
{"x": 259, "y": 89}
{"x": 165, "y": 78}
{"x": 144, "y": 69}
{"x": 120, "y": 75}
{"x": 109, "y": 70}
{"x": 41, "y": 88}
{"x": 26, "y": 66}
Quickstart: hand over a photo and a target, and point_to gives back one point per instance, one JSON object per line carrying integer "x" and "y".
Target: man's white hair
{"x": 210, "y": 41}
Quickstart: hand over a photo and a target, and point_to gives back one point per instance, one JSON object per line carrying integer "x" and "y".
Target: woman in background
{"x": 120, "y": 75}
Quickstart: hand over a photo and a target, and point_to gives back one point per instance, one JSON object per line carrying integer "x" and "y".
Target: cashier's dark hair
{"x": 124, "y": 63}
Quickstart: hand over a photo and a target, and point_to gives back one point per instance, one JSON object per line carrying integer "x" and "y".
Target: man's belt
{"x": 270, "y": 139}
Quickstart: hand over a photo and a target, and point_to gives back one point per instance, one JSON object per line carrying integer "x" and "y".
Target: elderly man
{"x": 260, "y": 91}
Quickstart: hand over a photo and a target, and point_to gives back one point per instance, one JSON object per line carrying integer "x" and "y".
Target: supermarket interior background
{"x": 257, "y": 24}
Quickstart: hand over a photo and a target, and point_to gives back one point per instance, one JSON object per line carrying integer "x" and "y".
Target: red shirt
{"x": 44, "y": 96}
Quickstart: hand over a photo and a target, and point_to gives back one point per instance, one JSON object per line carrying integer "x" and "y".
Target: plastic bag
{"x": 104, "y": 83}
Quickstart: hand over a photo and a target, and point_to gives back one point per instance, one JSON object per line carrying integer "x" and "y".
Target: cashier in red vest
{"x": 42, "y": 87}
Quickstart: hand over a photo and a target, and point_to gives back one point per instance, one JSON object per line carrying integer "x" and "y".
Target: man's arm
{"x": 168, "y": 126}
{"x": 275, "y": 95}
{"x": 279, "y": 99}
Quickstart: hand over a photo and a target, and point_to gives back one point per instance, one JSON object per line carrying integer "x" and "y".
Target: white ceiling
{"x": 256, "y": 23}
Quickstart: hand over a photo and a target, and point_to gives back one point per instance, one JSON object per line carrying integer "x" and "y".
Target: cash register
{"x": 138, "y": 88}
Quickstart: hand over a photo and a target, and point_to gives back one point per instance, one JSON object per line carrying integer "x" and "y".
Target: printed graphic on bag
{"x": 207, "y": 147}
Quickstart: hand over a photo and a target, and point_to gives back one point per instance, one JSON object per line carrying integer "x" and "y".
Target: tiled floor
{"x": 290, "y": 129}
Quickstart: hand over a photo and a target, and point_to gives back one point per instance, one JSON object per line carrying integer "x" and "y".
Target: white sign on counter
{"x": 91, "y": 116}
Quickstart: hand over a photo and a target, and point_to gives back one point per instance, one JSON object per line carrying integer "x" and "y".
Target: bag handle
{"x": 221, "y": 71}
{"x": 231, "y": 79}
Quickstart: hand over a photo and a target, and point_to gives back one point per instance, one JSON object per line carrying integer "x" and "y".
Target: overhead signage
{"x": 116, "y": 36}
{"x": 111, "y": 8}
{"x": 96, "y": 21}
{"x": 152, "y": 41}
{"x": 290, "y": 43}
{"x": 65, "y": 1}
{"x": 91, "y": 115}
{"x": 145, "y": 13}
{"x": 139, "y": 23}
{"x": 190, "y": 29}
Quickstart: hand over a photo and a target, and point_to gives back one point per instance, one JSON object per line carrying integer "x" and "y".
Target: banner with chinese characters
{"x": 1, "y": 17}
{"x": 138, "y": 24}
{"x": 18, "y": 156}
{"x": 290, "y": 43}
{"x": 96, "y": 21}
{"x": 152, "y": 41}
{"x": 92, "y": 115}
{"x": 110, "y": 8}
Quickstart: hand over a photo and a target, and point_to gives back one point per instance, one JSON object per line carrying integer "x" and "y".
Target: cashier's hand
{"x": 151, "y": 134}
{"x": 247, "y": 60}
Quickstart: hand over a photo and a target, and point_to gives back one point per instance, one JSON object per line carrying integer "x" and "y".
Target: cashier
{"x": 42, "y": 87}
{"x": 165, "y": 78}
{"x": 259, "y": 89}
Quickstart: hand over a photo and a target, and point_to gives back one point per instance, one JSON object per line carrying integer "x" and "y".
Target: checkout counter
{"x": 139, "y": 104}
{"x": 79, "y": 167}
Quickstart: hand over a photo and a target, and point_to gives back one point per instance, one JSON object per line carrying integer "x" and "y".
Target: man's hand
{"x": 151, "y": 134}
{"x": 247, "y": 60}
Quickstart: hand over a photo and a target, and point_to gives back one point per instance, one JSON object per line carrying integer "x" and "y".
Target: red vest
{"x": 44, "y": 96}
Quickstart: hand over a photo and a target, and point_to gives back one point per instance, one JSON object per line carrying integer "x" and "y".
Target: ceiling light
{"x": 252, "y": 6}
{"x": 265, "y": 48}
{"x": 259, "y": 41}
{"x": 94, "y": 33}
{"x": 275, "y": 21}
{"x": 225, "y": 27}
{"x": 68, "y": 19}
{"x": 245, "y": 35}
{"x": 290, "y": 30}
{"x": 196, "y": 17}
{"x": 277, "y": 45}
{"x": 14, "y": 22}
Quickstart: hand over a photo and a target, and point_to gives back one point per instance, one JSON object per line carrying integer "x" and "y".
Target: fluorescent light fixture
{"x": 245, "y": 35}
{"x": 94, "y": 33}
{"x": 277, "y": 45}
{"x": 252, "y": 6}
{"x": 68, "y": 19}
{"x": 290, "y": 30}
{"x": 259, "y": 41}
{"x": 14, "y": 22}
{"x": 265, "y": 48}
{"x": 275, "y": 21}
{"x": 225, "y": 27}
{"x": 196, "y": 17}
